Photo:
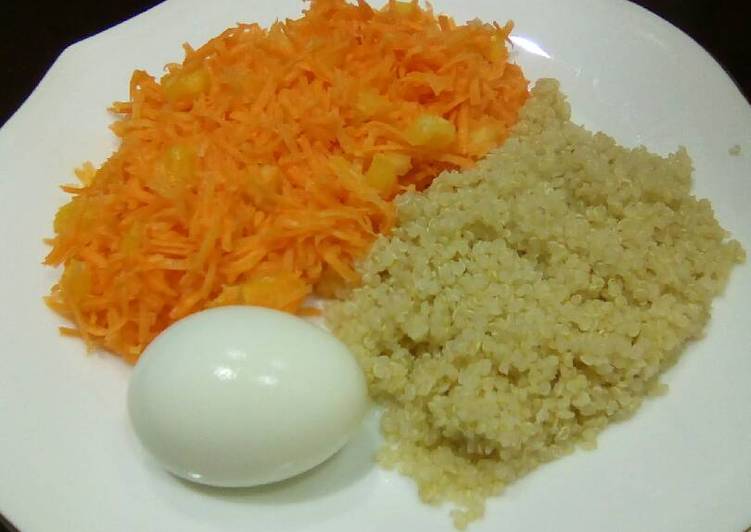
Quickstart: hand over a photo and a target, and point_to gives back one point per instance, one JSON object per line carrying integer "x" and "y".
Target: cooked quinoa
{"x": 521, "y": 306}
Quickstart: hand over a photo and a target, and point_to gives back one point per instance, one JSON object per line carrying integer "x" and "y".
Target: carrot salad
{"x": 262, "y": 167}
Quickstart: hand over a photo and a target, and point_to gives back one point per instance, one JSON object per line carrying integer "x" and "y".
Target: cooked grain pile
{"x": 520, "y": 307}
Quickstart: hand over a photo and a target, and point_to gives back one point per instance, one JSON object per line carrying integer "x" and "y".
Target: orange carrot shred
{"x": 262, "y": 167}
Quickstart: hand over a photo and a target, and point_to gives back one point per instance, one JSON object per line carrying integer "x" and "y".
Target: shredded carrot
{"x": 263, "y": 166}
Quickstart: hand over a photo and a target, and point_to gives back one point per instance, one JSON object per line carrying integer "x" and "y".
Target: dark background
{"x": 32, "y": 35}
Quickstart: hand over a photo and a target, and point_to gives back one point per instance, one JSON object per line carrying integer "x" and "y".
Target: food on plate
{"x": 509, "y": 310}
{"x": 519, "y": 307}
{"x": 258, "y": 169}
{"x": 242, "y": 396}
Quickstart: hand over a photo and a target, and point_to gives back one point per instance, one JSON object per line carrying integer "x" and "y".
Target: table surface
{"x": 718, "y": 25}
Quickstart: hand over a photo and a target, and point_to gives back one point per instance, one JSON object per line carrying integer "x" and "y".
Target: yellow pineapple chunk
{"x": 403, "y": 9}
{"x": 370, "y": 103}
{"x": 176, "y": 168}
{"x": 431, "y": 131}
{"x": 385, "y": 169}
{"x": 181, "y": 85}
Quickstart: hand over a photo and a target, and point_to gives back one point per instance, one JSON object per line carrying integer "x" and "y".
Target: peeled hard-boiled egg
{"x": 242, "y": 396}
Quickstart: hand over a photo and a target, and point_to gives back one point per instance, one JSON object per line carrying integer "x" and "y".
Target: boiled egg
{"x": 243, "y": 396}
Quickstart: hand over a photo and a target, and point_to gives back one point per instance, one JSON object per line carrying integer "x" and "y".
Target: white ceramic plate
{"x": 68, "y": 460}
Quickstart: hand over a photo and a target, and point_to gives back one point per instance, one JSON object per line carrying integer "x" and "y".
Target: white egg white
{"x": 243, "y": 396}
